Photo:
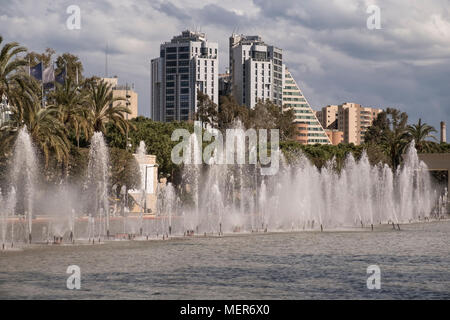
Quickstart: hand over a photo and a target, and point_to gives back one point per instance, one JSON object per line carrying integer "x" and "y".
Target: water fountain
{"x": 219, "y": 199}
{"x": 7, "y": 205}
{"x": 302, "y": 197}
{"x": 97, "y": 182}
{"x": 24, "y": 175}
{"x": 141, "y": 153}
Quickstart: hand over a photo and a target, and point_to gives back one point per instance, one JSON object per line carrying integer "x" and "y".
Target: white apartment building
{"x": 188, "y": 63}
{"x": 256, "y": 70}
{"x": 308, "y": 128}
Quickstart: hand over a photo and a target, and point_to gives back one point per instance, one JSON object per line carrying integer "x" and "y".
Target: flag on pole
{"x": 48, "y": 75}
{"x": 61, "y": 77}
{"x": 36, "y": 71}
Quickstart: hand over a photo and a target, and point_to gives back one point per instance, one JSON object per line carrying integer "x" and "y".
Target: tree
{"x": 390, "y": 130}
{"x": 43, "y": 124}
{"x": 206, "y": 110}
{"x": 10, "y": 66}
{"x": 71, "y": 101}
{"x": 268, "y": 115}
{"x": 157, "y": 137}
{"x": 103, "y": 108}
{"x": 73, "y": 66}
{"x": 230, "y": 111}
{"x": 34, "y": 58}
{"x": 419, "y": 133}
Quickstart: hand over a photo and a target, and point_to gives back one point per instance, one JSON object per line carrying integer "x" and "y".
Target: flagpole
{"x": 54, "y": 78}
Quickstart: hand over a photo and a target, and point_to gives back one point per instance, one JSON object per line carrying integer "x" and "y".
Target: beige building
{"x": 336, "y": 137}
{"x": 127, "y": 92}
{"x": 354, "y": 120}
{"x": 328, "y": 116}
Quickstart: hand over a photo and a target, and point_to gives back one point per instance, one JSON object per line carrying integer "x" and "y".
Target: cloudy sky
{"x": 327, "y": 45}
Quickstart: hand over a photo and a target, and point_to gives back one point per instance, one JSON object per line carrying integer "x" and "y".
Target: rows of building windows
{"x": 302, "y": 111}
{"x": 294, "y": 99}
{"x": 318, "y": 140}
{"x": 305, "y": 117}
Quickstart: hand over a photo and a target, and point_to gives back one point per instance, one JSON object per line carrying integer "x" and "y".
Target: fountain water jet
{"x": 24, "y": 173}
{"x": 98, "y": 173}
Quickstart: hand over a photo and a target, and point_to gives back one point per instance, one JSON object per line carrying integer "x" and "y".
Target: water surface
{"x": 414, "y": 263}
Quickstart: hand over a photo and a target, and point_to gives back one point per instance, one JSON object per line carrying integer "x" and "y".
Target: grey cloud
{"x": 326, "y": 44}
{"x": 172, "y": 11}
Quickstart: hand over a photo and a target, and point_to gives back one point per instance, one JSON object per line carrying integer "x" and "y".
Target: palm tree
{"x": 10, "y": 66}
{"x": 420, "y": 132}
{"x": 44, "y": 125}
{"x": 103, "y": 108}
{"x": 389, "y": 132}
{"x": 71, "y": 101}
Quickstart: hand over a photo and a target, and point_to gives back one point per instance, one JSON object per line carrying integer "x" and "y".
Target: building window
{"x": 183, "y": 70}
{"x": 171, "y": 49}
{"x": 184, "y": 90}
{"x": 171, "y": 57}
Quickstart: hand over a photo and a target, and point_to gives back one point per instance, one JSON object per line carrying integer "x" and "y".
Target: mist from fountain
{"x": 7, "y": 206}
{"x": 228, "y": 198}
